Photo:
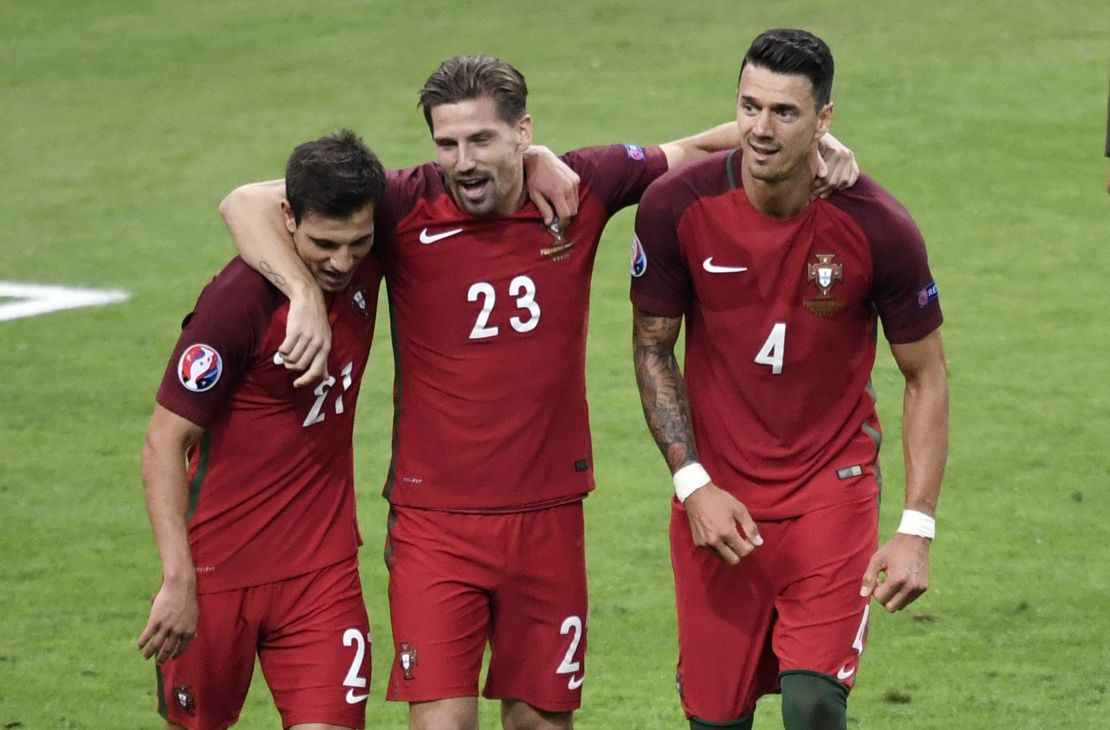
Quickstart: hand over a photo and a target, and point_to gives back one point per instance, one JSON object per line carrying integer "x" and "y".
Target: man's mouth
{"x": 334, "y": 279}
{"x": 763, "y": 150}
{"x": 473, "y": 188}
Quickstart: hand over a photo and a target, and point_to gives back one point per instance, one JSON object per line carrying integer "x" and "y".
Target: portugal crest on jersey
{"x": 407, "y": 659}
{"x": 183, "y": 694}
{"x": 824, "y": 274}
{"x": 560, "y": 247}
{"x": 199, "y": 368}
{"x": 360, "y": 302}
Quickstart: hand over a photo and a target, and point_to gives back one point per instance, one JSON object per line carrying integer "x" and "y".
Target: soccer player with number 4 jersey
{"x": 770, "y": 429}
{"x": 257, "y": 532}
{"x": 492, "y": 455}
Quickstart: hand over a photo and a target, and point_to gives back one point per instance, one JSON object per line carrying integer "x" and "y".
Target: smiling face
{"x": 332, "y": 248}
{"x": 780, "y": 124}
{"x": 481, "y": 155}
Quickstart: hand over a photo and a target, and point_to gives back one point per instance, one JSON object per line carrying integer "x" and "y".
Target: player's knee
{"x": 519, "y": 715}
{"x": 459, "y": 713}
{"x": 812, "y": 701}
{"x": 740, "y": 723}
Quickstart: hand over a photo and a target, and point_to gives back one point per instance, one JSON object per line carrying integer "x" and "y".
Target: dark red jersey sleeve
{"x": 904, "y": 291}
{"x": 403, "y": 189}
{"x": 661, "y": 283}
{"x": 617, "y": 174}
{"x": 218, "y": 341}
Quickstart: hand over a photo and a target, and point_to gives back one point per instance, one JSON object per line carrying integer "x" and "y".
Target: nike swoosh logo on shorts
{"x": 713, "y": 268}
{"x": 426, "y": 238}
{"x": 353, "y": 699}
{"x": 843, "y": 673}
{"x": 575, "y": 682}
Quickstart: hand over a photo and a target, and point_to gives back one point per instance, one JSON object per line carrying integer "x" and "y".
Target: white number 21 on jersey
{"x": 774, "y": 349}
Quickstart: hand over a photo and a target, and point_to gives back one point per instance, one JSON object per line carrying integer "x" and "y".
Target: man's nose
{"x": 342, "y": 260}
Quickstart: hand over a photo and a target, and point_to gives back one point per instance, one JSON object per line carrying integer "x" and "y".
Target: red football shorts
{"x": 312, "y": 638}
{"x": 793, "y": 604}
{"x": 515, "y": 580}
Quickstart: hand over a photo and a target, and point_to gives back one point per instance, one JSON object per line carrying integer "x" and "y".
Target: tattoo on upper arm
{"x": 268, "y": 271}
{"x": 663, "y": 388}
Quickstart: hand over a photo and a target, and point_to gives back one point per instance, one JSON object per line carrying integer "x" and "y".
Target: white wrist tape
{"x": 690, "y": 479}
{"x": 917, "y": 523}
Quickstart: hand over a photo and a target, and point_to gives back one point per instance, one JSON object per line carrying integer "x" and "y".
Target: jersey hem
{"x": 220, "y": 587}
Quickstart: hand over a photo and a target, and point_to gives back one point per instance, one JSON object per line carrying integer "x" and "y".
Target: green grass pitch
{"x": 123, "y": 124}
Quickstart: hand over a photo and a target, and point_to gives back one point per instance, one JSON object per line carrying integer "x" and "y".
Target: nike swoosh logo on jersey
{"x": 353, "y": 699}
{"x": 713, "y": 268}
{"x": 426, "y": 238}
{"x": 843, "y": 673}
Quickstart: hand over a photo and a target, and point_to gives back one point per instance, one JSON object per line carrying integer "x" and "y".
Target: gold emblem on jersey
{"x": 560, "y": 247}
{"x": 824, "y": 274}
{"x": 407, "y": 659}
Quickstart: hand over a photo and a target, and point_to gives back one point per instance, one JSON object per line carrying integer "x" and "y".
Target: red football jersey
{"x": 489, "y": 323}
{"x": 780, "y": 327}
{"x": 272, "y": 480}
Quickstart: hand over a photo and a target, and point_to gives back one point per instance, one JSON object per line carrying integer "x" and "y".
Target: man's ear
{"x": 524, "y": 132}
{"x": 287, "y": 214}
{"x": 824, "y": 120}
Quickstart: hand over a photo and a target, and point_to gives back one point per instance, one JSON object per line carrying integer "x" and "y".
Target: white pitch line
{"x": 35, "y": 299}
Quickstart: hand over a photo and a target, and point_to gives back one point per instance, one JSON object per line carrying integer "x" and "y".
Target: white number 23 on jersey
{"x": 522, "y": 289}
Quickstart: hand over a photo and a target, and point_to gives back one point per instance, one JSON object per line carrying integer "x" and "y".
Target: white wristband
{"x": 690, "y": 479}
{"x": 918, "y": 523}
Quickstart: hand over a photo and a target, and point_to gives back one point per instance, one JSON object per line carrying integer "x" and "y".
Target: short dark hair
{"x": 473, "y": 77}
{"x": 793, "y": 51}
{"x": 334, "y": 176}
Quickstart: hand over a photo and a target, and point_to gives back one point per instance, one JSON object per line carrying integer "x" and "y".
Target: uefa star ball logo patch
{"x": 639, "y": 258}
{"x": 199, "y": 368}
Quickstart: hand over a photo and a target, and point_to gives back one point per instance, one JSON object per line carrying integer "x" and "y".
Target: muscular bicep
{"x": 168, "y": 437}
{"x": 653, "y": 331}
{"x": 922, "y": 360}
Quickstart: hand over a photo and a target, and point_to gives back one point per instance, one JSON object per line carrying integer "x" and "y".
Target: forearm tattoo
{"x": 277, "y": 279}
{"x": 663, "y": 388}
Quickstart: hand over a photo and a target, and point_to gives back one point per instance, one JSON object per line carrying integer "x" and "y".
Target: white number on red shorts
{"x": 354, "y": 637}
{"x": 572, "y": 625}
{"x": 858, "y": 643}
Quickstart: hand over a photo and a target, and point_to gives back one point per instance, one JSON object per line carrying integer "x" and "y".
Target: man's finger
{"x": 892, "y": 596}
{"x": 317, "y": 370}
{"x": 870, "y": 577}
{"x": 292, "y": 349}
{"x": 726, "y": 553}
{"x": 751, "y": 530}
{"x": 154, "y": 645}
{"x": 566, "y": 208}
{"x": 182, "y": 645}
{"x": 822, "y": 168}
{"x": 545, "y": 209}
{"x": 147, "y": 634}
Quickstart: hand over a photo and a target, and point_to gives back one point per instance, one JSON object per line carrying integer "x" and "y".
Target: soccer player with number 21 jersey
{"x": 257, "y": 531}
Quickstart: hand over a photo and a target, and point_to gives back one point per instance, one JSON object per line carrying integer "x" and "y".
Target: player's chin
{"x": 482, "y": 206}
